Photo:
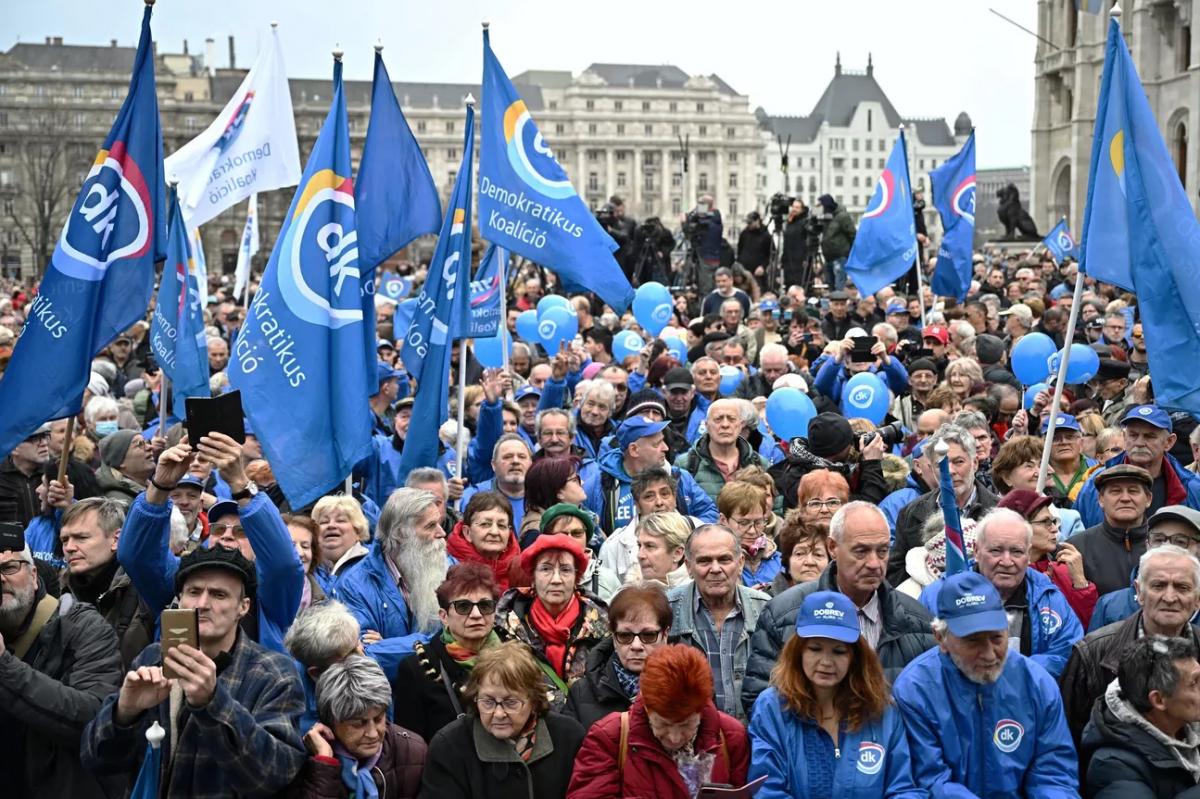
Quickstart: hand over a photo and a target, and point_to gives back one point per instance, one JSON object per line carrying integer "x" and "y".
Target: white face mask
{"x": 106, "y": 428}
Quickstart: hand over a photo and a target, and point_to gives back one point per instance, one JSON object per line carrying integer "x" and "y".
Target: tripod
{"x": 774, "y": 279}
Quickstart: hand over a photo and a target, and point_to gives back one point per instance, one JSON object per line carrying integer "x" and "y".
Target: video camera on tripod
{"x": 778, "y": 207}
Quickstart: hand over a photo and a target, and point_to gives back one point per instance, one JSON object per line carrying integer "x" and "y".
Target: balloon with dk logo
{"x": 789, "y": 410}
{"x": 527, "y": 325}
{"x": 490, "y": 351}
{"x": 677, "y": 348}
{"x": 652, "y": 307}
{"x": 731, "y": 378}
{"x": 865, "y": 396}
{"x": 1031, "y": 358}
{"x": 555, "y": 326}
{"x": 624, "y": 344}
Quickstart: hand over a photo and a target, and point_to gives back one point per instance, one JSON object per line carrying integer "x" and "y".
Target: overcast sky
{"x": 933, "y": 58}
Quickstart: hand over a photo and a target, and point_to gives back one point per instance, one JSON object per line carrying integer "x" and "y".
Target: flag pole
{"x": 66, "y": 449}
{"x": 460, "y": 442}
{"x": 1048, "y": 443}
{"x": 162, "y": 403}
{"x": 917, "y": 263}
{"x": 503, "y": 276}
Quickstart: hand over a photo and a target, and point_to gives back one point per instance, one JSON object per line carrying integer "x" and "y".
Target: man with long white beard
{"x": 392, "y": 591}
{"x": 983, "y": 720}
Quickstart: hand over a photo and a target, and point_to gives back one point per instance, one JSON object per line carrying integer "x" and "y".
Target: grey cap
{"x": 1182, "y": 513}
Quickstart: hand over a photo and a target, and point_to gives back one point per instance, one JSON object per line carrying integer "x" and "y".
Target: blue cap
{"x": 919, "y": 449}
{"x": 969, "y": 604}
{"x": 384, "y": 372}
{"x": 636, "y": 427}
{"x": 895, "y": 306}
{"x": 1150, "y": 414}
{"x": 383, "y": 342}
{"x": 828, "y": 614}
{"x": 1065, "y": 421}
{"x": 190, "y": 481}
{"x": 768, "y": 305}
{"x": 225, "y": 507}
{"x": 527, "y": 391}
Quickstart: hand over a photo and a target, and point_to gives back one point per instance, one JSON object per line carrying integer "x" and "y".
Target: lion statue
{"x": 1014, "y": 217}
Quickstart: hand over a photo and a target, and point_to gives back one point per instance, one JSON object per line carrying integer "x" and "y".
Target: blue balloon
{"x": 865, "y": 397}
{"x": 1084, "y": 364}
{"x": 624, "y": 344}
{"x": 556, "y": 325}
{"x": 731, "y": 378}
{"x": 1031, "y": 357}
{"x": 552, "y": 301}
{"x": 491, "y": 351}
{"x": 652, "y": 307}
{"x": 677, "y": 348}
{"x": 789, "y": 410}
{"x": 527, "y": 325}
{"x": 1033, "y": 391}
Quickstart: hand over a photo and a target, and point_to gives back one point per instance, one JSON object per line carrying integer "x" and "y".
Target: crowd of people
{"x": 630, "y": 585}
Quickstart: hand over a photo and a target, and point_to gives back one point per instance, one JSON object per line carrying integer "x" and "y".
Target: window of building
{"x": 593, "y": 181}
{"x": 5, "y": 177}
{"x": 189, "y": 123}
{"x": 733, "y": 158}
{"x": 591, "y": 128}
{"x": 676, "y": 206}
{"x": 449, "y": 126}
{"x": 854, "y": 181}
{"x": 645, "y": 105}
{"x": 618, "y": 105}
{"x": 702, "y": 157}
{"x": 648, "y": 129}
{"x": 561, "y": 155}
{"x": 620, "y": 129}
{"x": 39, "y": 90}
{"x": 452, "y": 176}
{"x": 452, "y": 153}
{"x": 838, "y": 163}
{"x": 591, "y": 105}
{"x": 676, "y": 180}
{"x": 733, "y": 178}
{"x": 1179, "y": 142}
{"x": 1183, "y": 49}
{"x": 8, "y": 207}
{"x": 869, "y": 120}
{"x": 592, "y": 155}
{"x": 421, "y": 126}
{"x": 854, "y": 145}
{"x": 867, "y": 144}
{"x": 882, "y": 146}
{"x": 881, "y": 163}
{"x": 620, "y": 180}
{"x": 559, "y": 127}
{"x": 622, "y": 155}
{"x": 674, "y": 130}
{"x": 648, "y": 181}
{"x": 733, "y": 207}
{"x": 553, "y": 105}
{"x": 702, "y": 181}
{"x": 921, "y": 164}
{"x": 812, "y": 184}
{"x": 731, "y": 132}
{"x": 854, "y": 163}
{"x": 673, "y": 106}
{"x": 812, "y": 163}
{"x": 837, "y": 180}
{"x": 704, "y": 130}
{"x": 676, "y": 155}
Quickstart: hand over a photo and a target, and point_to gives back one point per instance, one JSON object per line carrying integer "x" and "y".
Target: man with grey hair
{"x": 974, "y": 499}
{"x": 594, "y": 420}
{"x": 1042, "y": 625}
{"x": 981, "y": 719}
{"x": 894, "y": 624}
{"x": 433, "y": 480}
{"x": 977, "y": 425}
{"x": 511, "y": 459}
{"x": 322, "y": 635}
{"x": 722, "y": 449}
{"x": 58, "y": 661}
{"x": 391, "y": 591}
{"x": 1168, "y": 589}
{"x": 773, "y": 363}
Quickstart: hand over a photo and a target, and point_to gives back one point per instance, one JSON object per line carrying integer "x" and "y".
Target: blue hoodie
{"x": 612, "y": 471}
{"x": 832, "y": 376}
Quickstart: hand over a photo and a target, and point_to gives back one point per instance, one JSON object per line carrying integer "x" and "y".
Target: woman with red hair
{"x": 669, "y": 743}
{"x": 485, "y": 535}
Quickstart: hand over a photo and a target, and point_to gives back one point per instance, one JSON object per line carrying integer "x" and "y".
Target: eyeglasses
{"x": 647, "y": 637}
{"x": 1051, "y": 521}
{"x": 751, "y": 524}
{"x": 548, "y": 571}
{"x": 575, "y": 478}
{"x": 221, "y": 529}
{"x": 822, "y": 504}
{"x": 510, "y": 704}
{"x": 1183, "y": 541}
{"x": 463, "y": 607}
{"x": 11, "y": 568}
{"x": 37, "y": 438}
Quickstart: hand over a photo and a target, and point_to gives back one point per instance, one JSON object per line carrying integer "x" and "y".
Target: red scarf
{"x": 555, "y": 630}
{"x": 459, "y": 546}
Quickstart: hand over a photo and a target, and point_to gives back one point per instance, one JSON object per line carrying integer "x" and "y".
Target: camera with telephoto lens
{"x": 892, "y": 435}
{"x": 607, "y": 216}
{"x": 780, "y": 205}
{"x": 695, "y": 223}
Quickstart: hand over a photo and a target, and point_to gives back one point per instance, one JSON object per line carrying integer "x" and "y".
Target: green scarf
{"x": 460, "y": 654}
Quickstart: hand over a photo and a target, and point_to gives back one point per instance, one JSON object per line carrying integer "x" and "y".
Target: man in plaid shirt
{"x": 232, "y": 712}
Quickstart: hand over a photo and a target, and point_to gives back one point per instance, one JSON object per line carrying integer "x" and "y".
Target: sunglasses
{"x": 648, "y": 637}
{"x": 463, "y": 606}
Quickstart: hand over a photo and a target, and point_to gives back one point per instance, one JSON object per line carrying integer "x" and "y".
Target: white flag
{"x": 246, "y": 249}
{"x": 201, "y": 266}
{"x": 250, "y": 146}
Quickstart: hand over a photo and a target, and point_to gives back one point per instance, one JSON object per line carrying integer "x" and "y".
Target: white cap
{"x": 790, "y": 381}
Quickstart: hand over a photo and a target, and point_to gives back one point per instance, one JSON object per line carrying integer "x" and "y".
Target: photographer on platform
{"x": 652, "y": 246}
{"x": 836, "y": 241}
{"x": 754, "y": 246}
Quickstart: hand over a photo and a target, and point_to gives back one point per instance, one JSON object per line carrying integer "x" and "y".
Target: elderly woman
{"x": 306, "y": 539}
{"x": 594, "y": 421}
{"x": 640, "y": 618}
{"x": 828, "y": 698}
{"x": 661, "y": 538}
{"x": 1016, "y": 468}
{"x": 1110, "y": 443}
{"x": 819, "y": 495}
{"x": 427, "y": 693}
{"x": 549, "y": 481}
{"x": 100, "y": 417}
{"x": 356, "y": 752}
{"x": 508, "y": 744}
{"x": 671, "y": 740}
{"x": 567, "y": 518}
{"x": 927, "y": 563}
{"x": 962, "y": 375}
{"x": 485, "y": 535}
{"x": 344, "y": 533}
{"x": 803, "y": 551}
{"x": 744, "y": 509}
{"x": 560, "y": 623}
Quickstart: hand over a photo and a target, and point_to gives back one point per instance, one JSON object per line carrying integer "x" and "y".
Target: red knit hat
{"x": 676, "y": 682}
{"x": 1024, "y": 502}
{"x": 546, "y": 543}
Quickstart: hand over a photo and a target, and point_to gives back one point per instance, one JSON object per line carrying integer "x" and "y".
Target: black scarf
{"x": 91, "y": 585}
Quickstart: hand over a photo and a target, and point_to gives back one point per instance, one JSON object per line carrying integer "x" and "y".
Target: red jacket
{"x": 649, "y": 771}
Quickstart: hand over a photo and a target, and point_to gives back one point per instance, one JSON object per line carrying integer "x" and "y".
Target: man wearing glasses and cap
{"x": 1069, "y": 468}
{"x": 20, "y": 476}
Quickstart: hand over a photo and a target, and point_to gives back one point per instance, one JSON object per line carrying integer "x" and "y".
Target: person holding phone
{"x": 856, "y": 353}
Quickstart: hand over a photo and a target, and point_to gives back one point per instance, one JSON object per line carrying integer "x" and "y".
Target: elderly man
{"x": 1169, "y": 592}
{"x": 1111, "y": 549}
{"x": 391, "y": 591}
{"x": 706, "y": 375}
{"x": 723, "y": 278}
{"x": 1144, "y": 735}
{"x": 1110, "y": 386}
{"x": 715, "y": 613}
{"x": 721, "y": 451}
{"x": 249, "y": 523}
{"x": 58, "y": 661}
{"x": 983, "y": 720}
{"x": 1069, "y": 469}
{"x": 640, "y": 446}
{"x": 894, "y": 624}
{"x": 922, "y": 377}
{"x": 837, "y": 322}
{"x": 1042, "y": 625}
{"x": 1149, "y": 437}
{"x": 229, "y": 713}
{"x": 1174, "y": 524}
{"x": 218, "y": 354}
{"x": 973, "y": 498}
{"x": 773, "y": 364}
{"x": 511, "y": 459}
{"x": 323, "y": 634}
{"x": 20, "y": 476}
{"x": 125, "y": 465}
{"x": 387, "y": 392}
{"x": 653, "y": 491}
{"x": 686, "y": 408}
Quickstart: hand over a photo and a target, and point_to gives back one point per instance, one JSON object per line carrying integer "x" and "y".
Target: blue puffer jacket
{"x": 144, "y": 551}
{"x": 875, "y": 761}
{"x": 369, "y": 592}
{"x": 972, "y": 741}
{"x": 832, "y": 376}
{"x": 894, "y": 502}
{"x": 614, "y": 484}
{"x": 695, "y": 425}
{"x": 1186, "y": 491}
{"x": 42, "y": 534}
{"x": 1054, "y": 627}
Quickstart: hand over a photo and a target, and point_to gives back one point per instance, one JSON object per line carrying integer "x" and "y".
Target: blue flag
{"x": 885, "y": 246}
{"x": 956, "y": 548}
{"x": 1139, "y": 231}
{"x": 299, "y": 358}
{"x": 528, "y": 205}
{"x": 483, "y": 320}
{"x": 1060, "y": 243}
{"x": 101, "y": 275}
{"x": 177, "y": 336}
{"x": 953, "y": 186}
{"x": 440, "y": 309}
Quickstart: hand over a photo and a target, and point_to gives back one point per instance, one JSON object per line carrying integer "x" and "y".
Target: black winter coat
{"x": 466, "y": 762}
{"x": 598, "y": 692}
{"x": 906, "y": 632}
{"x": 420, "y": 699}
{"x": 866, "y": 479}
{"x": 121, "y": 606}
{"x": 1126, "y": 762}
{"x": 912, "y": 518}
{"x": 18, "y": 494}
{"x": 48, "y": 697}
